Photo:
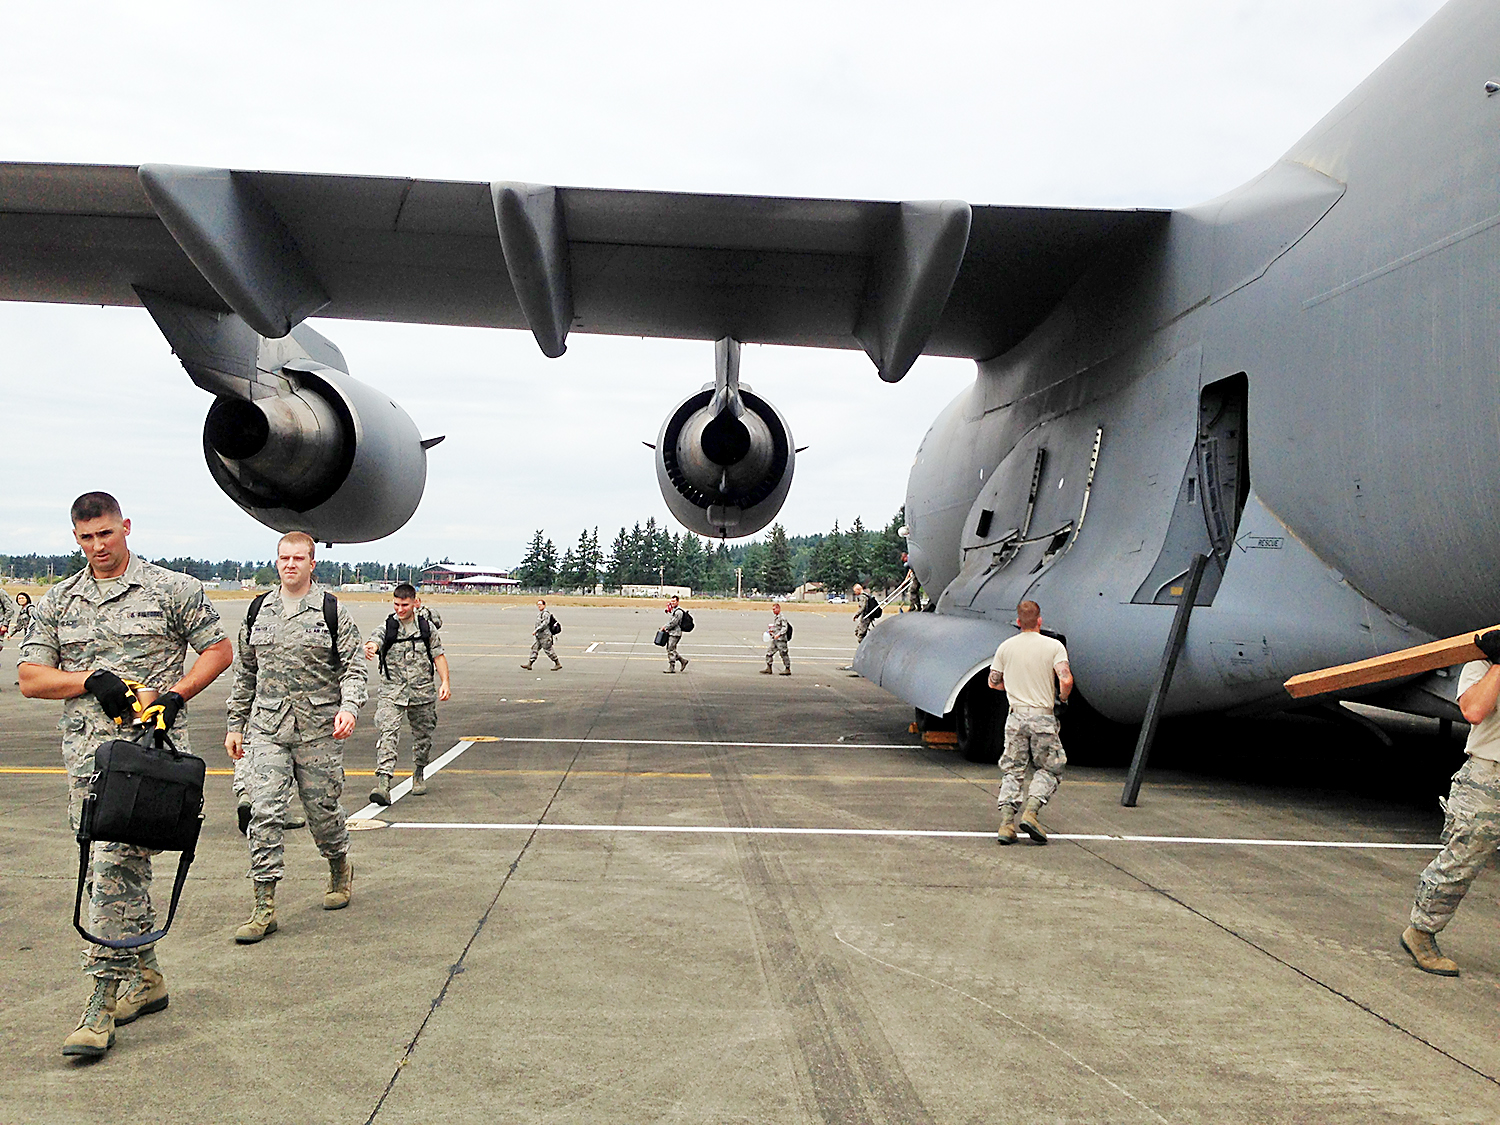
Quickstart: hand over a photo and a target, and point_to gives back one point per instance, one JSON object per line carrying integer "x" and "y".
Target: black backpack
{"x": 148, "y": 794}
{"x": 687, "y": 622}
{"x": 330, "y": 618}
{"x": 556, "y": 626}
{"x": 788, "y": 630}
{"x": 393, "y": 627}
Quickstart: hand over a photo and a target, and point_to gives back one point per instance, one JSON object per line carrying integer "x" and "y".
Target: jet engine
{"x": 330, "y": 456}
{"x": 724, "y": 456}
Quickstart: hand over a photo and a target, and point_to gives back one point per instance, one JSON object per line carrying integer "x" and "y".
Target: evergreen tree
{"x": 547, "y": 571}
{"x": 721, "y": 570}
{"x": 886, "y": 566}
{"x": 776, "y": 572}
{"x": 692, "y": 562}
{"x": 531, "y": 572}
{"x": 618, "y": 564}
{"x": 832, "y": 566}
{"x": 856, "y": 553}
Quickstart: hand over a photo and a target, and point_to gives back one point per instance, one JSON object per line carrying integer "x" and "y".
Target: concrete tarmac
{"x": 721, "y": 896}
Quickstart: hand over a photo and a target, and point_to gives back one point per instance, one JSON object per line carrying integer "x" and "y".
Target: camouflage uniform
{"x": 407, "y": 686}
{"x": 1030, "y": 736}
{"x": 1471, "y": 835}
{"x": 865, "y": 618}
{"x": 778, "y": 629}
{"x": 673, "y": 629}
{"x": 8, "y": 614}
{"x": 138, "y": 626}
{"x": 286, "y": 693}
{"x": 542, "y": 634}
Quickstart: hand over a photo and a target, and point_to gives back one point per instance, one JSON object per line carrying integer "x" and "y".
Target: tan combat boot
{"x": 262, "y": 920}
{"x": 1007, "y": 833}
{"x": 381, "y": 794}
{"x": 146, "y": 994}
{"x": 95, "y": 1032}
{"x": 1424, "y": 950}
{"x": 340, "y": 883}
{"x": 419, "y": 780}
{"x": 767, "y": 672}
{"x": 1030, "y": 824}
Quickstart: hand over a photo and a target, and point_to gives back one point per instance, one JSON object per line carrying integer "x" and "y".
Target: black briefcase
{"x": 148, "y": 794}
{"x": 660, "y": 638}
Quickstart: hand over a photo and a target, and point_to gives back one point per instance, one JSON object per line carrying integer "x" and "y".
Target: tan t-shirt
{"x": 1027, "y": 661}
{"x": 1484, "y": 736}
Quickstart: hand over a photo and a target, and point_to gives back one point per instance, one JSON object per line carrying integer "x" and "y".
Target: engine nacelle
{"x": 334, "y": 457}
{"x": 724, "y": 462}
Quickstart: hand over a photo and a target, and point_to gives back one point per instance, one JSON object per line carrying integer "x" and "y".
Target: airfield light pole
{"x": 739, "y": 582}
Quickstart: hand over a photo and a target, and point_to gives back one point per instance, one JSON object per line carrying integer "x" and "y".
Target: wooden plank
{"x": 1393, "y": 666}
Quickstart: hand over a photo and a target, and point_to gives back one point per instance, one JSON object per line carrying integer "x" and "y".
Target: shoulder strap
{"x": 424, "y": 630}
{"x": 388, "y": 638}
{"x": 331, "y": 619}
{"x": 254, "y": 611}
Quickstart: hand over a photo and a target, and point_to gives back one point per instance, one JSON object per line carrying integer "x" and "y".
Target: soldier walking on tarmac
{"x": 542, "y": 633}
{"x": 410, "y": 651}
{"x": 865, "y": 616}
{"x": 673, "y": 630}
{"x": 118, "y": 619}
{"x": 780, "y": 634}
{"x": 1471, "y": 828}
{"x": 298, "y": 688}
{"x": 1033, "y": 671}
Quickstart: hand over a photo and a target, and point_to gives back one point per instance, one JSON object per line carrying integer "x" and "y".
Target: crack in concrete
{"x": 1303, "y": 973}
{"x": 457, "y": 968}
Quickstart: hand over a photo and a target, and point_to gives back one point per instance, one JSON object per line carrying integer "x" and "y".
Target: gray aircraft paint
{"x": 1355, "y": 285}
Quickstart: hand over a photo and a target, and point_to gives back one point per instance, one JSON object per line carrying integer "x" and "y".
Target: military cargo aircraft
{"x": 1295, "y": 382}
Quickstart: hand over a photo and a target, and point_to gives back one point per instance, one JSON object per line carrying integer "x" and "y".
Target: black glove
{"x": 1060, "y": 708}
{"x": 1489, "y": 644}
{"x": 163, "y": 713}
{"x": 113, "y": 694}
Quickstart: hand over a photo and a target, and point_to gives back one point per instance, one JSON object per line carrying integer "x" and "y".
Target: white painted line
{"x": 732, "y": 830}
{"x": 685, "y": 742}
{"x": 593, "y": 646}
{"x": 402, "y": 788}
{"x": 710, "y": 647}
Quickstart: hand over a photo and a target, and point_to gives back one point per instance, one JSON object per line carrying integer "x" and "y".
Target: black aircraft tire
{"x": 978, "y": 719}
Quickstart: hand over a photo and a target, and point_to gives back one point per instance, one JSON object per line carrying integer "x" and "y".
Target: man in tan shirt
{"x": 1033, "y": 671}
{"x": 1471, "y": 829}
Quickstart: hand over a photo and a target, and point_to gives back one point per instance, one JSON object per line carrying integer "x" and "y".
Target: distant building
{"x": 480, "y": 582}
{"x": 443, "y": 575}
{"x": 810, "y": 592}
{"x": 655, "y": 591}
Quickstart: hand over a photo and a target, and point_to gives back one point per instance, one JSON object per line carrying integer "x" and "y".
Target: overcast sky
{"x": 1073, "y": 102}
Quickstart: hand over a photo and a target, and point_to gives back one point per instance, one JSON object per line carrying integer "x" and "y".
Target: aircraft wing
{"x": 898, "y": 279}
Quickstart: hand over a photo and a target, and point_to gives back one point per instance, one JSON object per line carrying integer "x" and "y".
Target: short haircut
{"x": 93, "y": 506}
{"x": 299, "y": 537}
{"x": 405, "y": 590}
{"x": 1028, "y": 614}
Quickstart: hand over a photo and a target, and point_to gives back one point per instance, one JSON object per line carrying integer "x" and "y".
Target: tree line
{"x": 650, "y": 554}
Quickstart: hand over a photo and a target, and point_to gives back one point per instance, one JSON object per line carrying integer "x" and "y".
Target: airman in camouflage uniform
{"x": 292, "y": 705}
{"x": 1030, "y": 667}
{"x": 673, "y": 629}
{"x": 407, "y": 688}
{"x": 88, "y": 634}
{"x": 780, "y": 632}
{"x": 7, "y": 617}
{"x": 542, "y": 634}
{"x": 1471, "y": 827}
